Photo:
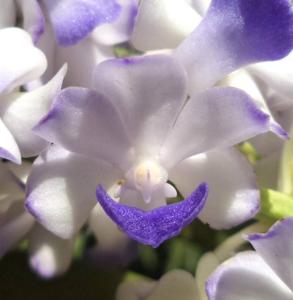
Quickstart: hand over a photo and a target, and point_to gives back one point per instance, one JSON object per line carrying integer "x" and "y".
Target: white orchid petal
{"x": 233, "y": 198}
{"x": 162, "y": 24}
{"x": 246, "y": 276}
{"x": 61, "y": 189}
{"x": 18, "y": 67}
{"x": 22, "y": 111}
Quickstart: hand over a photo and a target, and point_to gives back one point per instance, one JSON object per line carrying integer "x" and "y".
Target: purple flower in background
{"x": 265, "y": 274}
{"x": 134, "y": 133}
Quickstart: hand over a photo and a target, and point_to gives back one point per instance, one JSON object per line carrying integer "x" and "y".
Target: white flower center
{"x": 146, "y": 177}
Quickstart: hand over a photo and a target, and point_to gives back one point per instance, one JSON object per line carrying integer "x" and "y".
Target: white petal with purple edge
{"x": 22, "y": 111}
{"x": 73, "y": 20}
{"x": 244, "y": 81}
{"x": 246, "y": 276}
{"x": 217, "y": 118}
{"x": 233, "y": 34}
{"x": 18, "y": 67}
{"x": 276, "y": 248}
{"x": 86, "y": 122}
{"x": 162, "y": 24}
{"x": 148, "y": 104}
{"x": 50, "y": 256}
{"x": 8, "y": 146}
{"x": 61, "y": 189}
{"x": 233, "y": 195}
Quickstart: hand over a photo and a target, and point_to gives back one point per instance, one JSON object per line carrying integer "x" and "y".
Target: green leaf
{"x": 133, "y": 276}
{"x": 285, "y": 182}
{"x": 182, "y": 254}
{"x": 276, "y": 205}
{"x": 249, "y": 151}
{"x": 123, "y": 51}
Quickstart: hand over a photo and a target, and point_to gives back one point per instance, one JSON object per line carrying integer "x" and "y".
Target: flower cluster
{"x": 126, "y": 120}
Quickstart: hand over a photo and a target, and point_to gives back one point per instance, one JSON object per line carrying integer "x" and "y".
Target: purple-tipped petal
{"x": 86, "y": 122}
{"x": 276, "y": 248}
{"x": 61, "y": 189}
{"x": 236, "y": 33}
{"x": 246, "y": 276}
{"x": 21, "y": 111}
{"x": 155, "y": 226}
{"x": 73, "y": 20}
{"x": 277, "y": 129}
{"x": 217, "y": 118}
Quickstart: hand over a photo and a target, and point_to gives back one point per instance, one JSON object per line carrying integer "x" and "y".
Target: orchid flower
{"x": 133, "y": 135}
{"x": 49, "y": 255}
{"x": 20, "y": 111}
{"x": 265, "y": 274}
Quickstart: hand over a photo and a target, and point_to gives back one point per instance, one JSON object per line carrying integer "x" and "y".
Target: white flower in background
{"x": 20, "y": 111}
{"x": 174, "y": 285}
{"x": 178, "y": 284}
{"x": 134, "y": 133}
{"x": 48, "y": 254}
{"x": 79, "y": 33}
{"x": 265, "y": 274}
